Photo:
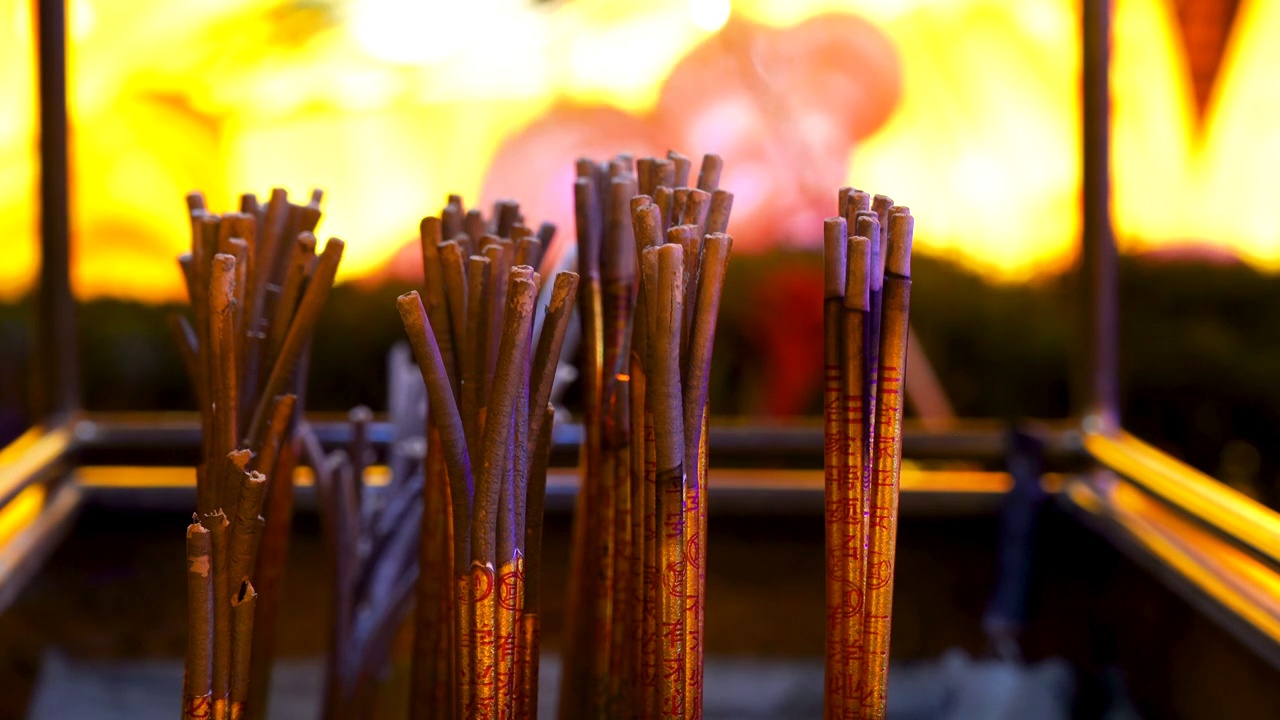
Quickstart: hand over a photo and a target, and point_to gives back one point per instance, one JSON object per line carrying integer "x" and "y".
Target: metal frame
{"x": 1217, "y": 548}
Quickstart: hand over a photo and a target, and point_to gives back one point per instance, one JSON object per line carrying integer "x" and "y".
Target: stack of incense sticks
{"x": 256, "y": 288}
{"x": 372, "y": 553}
{"x": 867, "y": 288}
{"x": 488, "y": 441}
{"x": 635, "y": 610}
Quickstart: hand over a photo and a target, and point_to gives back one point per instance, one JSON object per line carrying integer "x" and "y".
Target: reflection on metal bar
{"x": 34, "y": 455}
{"x": 31, "y": 526}
{"x": 1225, "y": 582}
{"x": 1199, "y": 496}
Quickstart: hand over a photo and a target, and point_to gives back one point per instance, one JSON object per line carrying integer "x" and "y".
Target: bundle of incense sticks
{"x": 371, "y": 548}
{"x": 488, "y": 442}
{"x": 635, "y": 614}
{"x": 256, "y": 287}
{"x": 867, "y": 288}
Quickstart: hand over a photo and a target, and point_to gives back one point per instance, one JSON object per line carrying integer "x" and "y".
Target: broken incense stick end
{"x": 240, "y": 458}
{"x": 647, "y": 223}
{"x": 222, "y": 282}
{"x": 564, "y": 291}
{"x": 857, "y": 293}
{"x": 898, "y": 258}
{"x": 835, "y": 240}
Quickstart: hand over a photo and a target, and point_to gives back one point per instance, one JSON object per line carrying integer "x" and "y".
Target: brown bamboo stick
{"x": 475, "y": 356}
{"x": 443, "y": 407}
{"x": 243, "y": 605}
{"x": 286, "y": 303}
{"x": 667, "y": 307}
{"x": 247, "y": 528}
{"x": 453, "y": 261}
{"x": 718, "y": 215}
{"x": 222, "y": 357}
{"x": 430, "y": 231}
{"x": 689, "y": 238}
{"x": 650, "y": 669}
{"x": 216, "y": 523}
{"x": 529, "y": 647}
{"x": 453, "y": 446}
{"x": 681, "y": 165}
{"x": 473, "y": 225}
{"x": 513, "y": 486}
{"x": 620, "y": 655}
{"x": 888, "y": 459}
{"x": 709, "y": 173}
{"x": 485, "y": 521}
{"x": 269, "y": 573}
{"x": 580, "y": 614}
{"x": 847, "y": 562}
{"x": 664, "y": 198}
{"x": 697, "y": 378}
{"x": 299, "y": 334}
{"x": 433, "y": 673}
{"x": 546, "y": 355}
{"x": 198, "y": 693}
{"x": 636, "y": 639}
{"x": 835, "y": 249}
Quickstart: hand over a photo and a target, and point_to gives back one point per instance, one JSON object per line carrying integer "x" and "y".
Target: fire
{"x": 389, "y": 112}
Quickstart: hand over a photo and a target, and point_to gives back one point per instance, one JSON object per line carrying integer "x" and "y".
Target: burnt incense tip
{"x": 360, "y": 414}
{"x": 835, "y": 240}
{"x": 858, "y": 201}
{"x": 898, "y": 257}
{"x": 195, "y": 528}
{"x": 857, "y": 291}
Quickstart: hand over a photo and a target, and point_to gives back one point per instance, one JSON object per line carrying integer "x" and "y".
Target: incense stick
{"x": 198, "y": 694}
{"x": 888, "y": 457}
{"x": 667, "y": 306}
{"x": 243, "y": 606}
{"x": 835, "y": 248}
{"x": 697, "y": 376}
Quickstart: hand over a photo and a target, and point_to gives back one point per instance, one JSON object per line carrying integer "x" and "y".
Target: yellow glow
{"x": 709, "y": 15}
{"x": 21, "y": 511}
{"x": 389, "y": 105}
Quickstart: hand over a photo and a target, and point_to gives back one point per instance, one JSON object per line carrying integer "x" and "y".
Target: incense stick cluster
{"x": 488, "y": 383}
{"x": 371, "y": 548}
{"x": 256, "y": 287}
{"x": 867, "y": 288}
{"x": 635, "y": 618}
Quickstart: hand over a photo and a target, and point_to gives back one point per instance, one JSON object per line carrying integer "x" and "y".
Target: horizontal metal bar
{"x": 733, "y": 490}
{"x": 1238, "y": 590}
{"x": 730, "y": 440}
{"x": 36, "y": 454}
{"x": 1229, "y": 513}
{"x": 32, "y": 525}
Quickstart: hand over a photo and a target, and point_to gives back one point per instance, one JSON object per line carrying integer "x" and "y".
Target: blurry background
{"x": 967, "y": 110}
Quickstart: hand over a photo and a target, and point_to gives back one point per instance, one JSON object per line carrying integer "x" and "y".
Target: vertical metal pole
{"x": 1099, "y": 391}
{"x": 57, "y": 386}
